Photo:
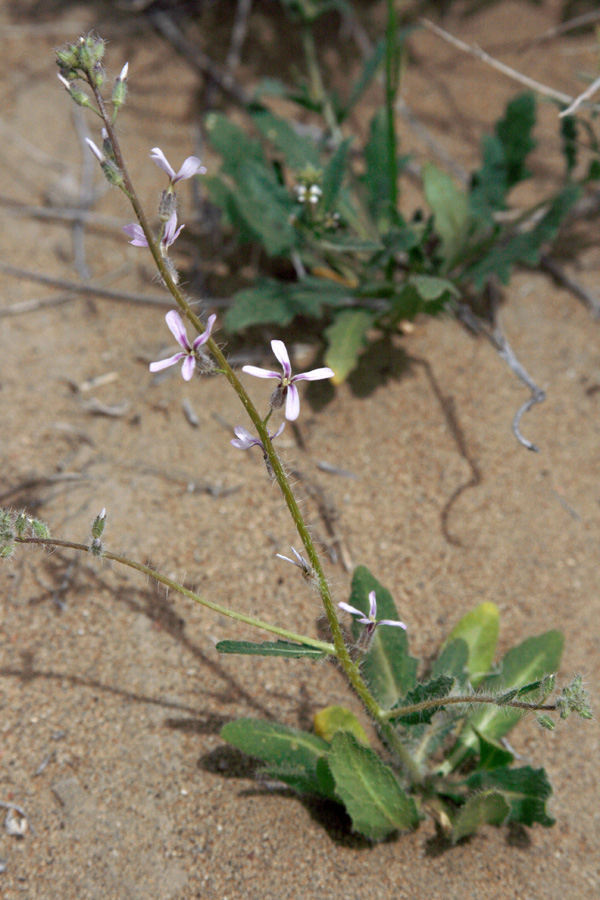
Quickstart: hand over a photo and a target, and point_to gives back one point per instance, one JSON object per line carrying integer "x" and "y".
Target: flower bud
{"x": 91, "y": 51}
{"x": 120, "y": 89}
{"x": 39, "y": 529}
{"x": 98, "y": 524}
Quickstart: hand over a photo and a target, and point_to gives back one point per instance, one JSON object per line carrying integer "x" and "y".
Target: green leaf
{"x": 346, "y": 337}
{"x": 232, "y": 143}
{"x": 273, "y": 301}
{"x": 568, "y": 133}
{"x": 489, "y": 807}
{"x": 450, "y": 207}
{"x": 437, "y": 688}
{"x": 387, "y": 667}
{"x": 291, "y": 755}
{"x": 370, "y": 67}
{"x": 376, "y": 178}
{"x": 514, "y": 133}
{"x": 523, "y": 247}
{"x": 479, "y": 629}
{"x": 298, "y": 151}
{"x": 270, "y": 648}
{"x": 534, "y": 658}
{"x": 527, "y": 791}
{"x": 369, "y": 790}
{"x": 492, "y": 755}
{"x": 333, "y": 175}
{"x": 453, "y": 661}
{"x": 430, "y": 288}
{"x": 265, "y": 207}
{"x": 332, "y": 719}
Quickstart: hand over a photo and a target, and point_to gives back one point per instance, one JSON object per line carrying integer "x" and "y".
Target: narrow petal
{"x": 187, "y": 369}
{"x": 171, "y": 232}
{"x": 202, "y": 338}
{"x": 277, "y": 433}
{"x": 161, "y": 161}
{"x": 315, "y": 375}
{"x": 135, "y": 231}
{"x": 97, "y": 153}
{"x": 165, "y": 363}
{"x": 292, "y": 403}
{"x": 244, "y": 439}
{"x": 391, "y": 622}
{"x": 280, "y": 351}
{"x": 260, "y": 373}
{"x": 123, "y": 73}
{"x": 353, "y": 610}
{"x": 191, "y": 166}
{"x": 372, "y": 605}
{"x": 177, "y": 329}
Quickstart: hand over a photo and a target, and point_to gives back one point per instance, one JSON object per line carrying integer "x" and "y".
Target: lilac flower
{"x": 190, "y": 167}
{"x": 287, "y": 390}
{"x": 189, "y": 353}
{"x": 244, "y": 440}
{"x": 370, "y": 622}
{"x": 170, "y": 234}
{"x": 300, "y": 563}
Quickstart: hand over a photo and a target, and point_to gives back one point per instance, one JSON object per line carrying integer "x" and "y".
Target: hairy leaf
{"x": 450, "y": 207}
{"x": 346, "y": 337}
{"x": 527, "y": 791}
{"x": 270, "y": 648}
{"x": 332, "y": 719}
{"x": 289, "y": 753}
{"x": 369, "y": 789}
{"x": 437, "y": 688}
{"x": 298, "y": 151}
{"x": 479, "y": 629}
{"x": 489, "y": 807}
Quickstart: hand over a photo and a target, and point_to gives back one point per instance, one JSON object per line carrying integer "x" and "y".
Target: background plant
{"x": 331, "y": 206}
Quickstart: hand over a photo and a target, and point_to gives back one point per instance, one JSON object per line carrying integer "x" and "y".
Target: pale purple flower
{"x": 287, "y": 389}
{"x": 170, "y": 234}
{"x": 244, "y": 440}
{"x": 300, "y": 563}
{"x": 189, "y": 353}
{"x": 370, "y": 621}
{"x": 190, "y": 167}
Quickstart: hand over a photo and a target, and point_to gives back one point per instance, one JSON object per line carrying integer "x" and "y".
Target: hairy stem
{"x": 180, "y": 589}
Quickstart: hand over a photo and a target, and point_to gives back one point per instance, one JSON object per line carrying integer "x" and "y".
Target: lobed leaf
{"x": 526, "y": 790}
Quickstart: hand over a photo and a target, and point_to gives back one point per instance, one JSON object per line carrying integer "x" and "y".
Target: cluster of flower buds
{"x": 16, "y": 526}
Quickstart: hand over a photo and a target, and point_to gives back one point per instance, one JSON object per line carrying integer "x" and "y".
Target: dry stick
{"x": 427, "y": 137}
{"x": 498, "y": 340}
{"x": 60, "y": 213}
{"x": 477, "y": 52}
{"x": 163, "y": 23}
{"x": 79, "y": 288}
{"x": 559, "y": 274}
{"x": 565, "y": 27}
{"x": 594, "y": 86}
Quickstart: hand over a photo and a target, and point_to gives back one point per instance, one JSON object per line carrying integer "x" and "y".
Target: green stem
{"x": 341, "y": 652}
{"x": 469, "y": 699}
{"x": 180, "y": 589}
{"x": 392, "y": 53}
{"x": 316, "y": 84}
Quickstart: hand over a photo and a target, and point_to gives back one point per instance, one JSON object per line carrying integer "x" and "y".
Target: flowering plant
{"x": 440, "y": 726}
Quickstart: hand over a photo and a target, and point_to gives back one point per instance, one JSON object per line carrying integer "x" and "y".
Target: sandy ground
{"x": 112, "y": 694}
